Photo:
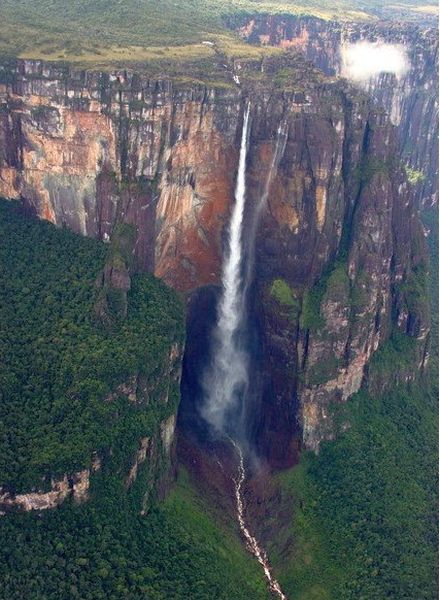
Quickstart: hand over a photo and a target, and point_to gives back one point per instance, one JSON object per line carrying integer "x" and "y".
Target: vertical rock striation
{"x": 87, "y": 150}
{"x": 410, "y": 100}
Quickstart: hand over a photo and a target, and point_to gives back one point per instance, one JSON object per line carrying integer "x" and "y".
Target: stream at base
{"x": 252, "y": 544}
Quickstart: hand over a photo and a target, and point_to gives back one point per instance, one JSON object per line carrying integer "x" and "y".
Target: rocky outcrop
{"x": 167, "y": 430}
{"x": 93, "y": 151}
{"x": 152, "y": 468}
{"x": 347, "y": 267}
{"x": 411, "y": 99}
{"x": 154, "y": 455}
{"x": 75, "y": 486}
{"x": 141, "y": 455}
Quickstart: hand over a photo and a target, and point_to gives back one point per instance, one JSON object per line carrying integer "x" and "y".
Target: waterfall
{"x": 280, "y": 146}
{"x": 226, "y": 379}
{"x": 225, "y": 382}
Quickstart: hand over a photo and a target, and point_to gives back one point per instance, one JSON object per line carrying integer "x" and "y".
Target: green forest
{"x": 57, "y": 365}
{"x": 105, "y": 551}
{"x": 364, "y": 519}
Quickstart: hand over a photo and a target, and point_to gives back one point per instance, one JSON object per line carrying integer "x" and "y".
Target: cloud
{"x": 363, "y": 60}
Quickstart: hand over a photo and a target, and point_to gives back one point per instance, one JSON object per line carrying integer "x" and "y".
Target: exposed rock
{"x": 141, "y": 455}
{"x": 411, "y": 99}
{"x": 128, "y": 389}
{"x": 105, "y": 150}
{"x": 88, "y": 149}
{"x": 75, "y": 485}
{"x": 167, "y": 429}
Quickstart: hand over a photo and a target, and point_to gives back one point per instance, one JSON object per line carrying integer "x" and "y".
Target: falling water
{"x": 280, "y": 146}
{"x": 227, "y": 378}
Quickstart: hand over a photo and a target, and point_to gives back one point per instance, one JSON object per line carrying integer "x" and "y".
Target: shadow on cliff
{"x": 258, "y": 433}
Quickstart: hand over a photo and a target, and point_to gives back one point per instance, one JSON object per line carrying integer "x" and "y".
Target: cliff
{"x": 92, "y": 150}
{"x": 410, "y": 99}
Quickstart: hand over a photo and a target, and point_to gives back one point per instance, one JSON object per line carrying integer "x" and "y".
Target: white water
{"x": 226, "y": 380}
{"x": 227, "y": 377}
{"x": 251, "y": 542}
{"x": 280, "y": 146}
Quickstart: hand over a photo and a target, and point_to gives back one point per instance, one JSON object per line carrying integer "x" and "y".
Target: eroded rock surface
{"x": 410, "y": 98}
{"x": 93, "y": 150}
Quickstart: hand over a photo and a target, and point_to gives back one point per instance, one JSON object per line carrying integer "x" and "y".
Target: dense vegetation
{"x": 58, "y": 365}
{"x": 365, "y": 509}
{"x": 286, "y": 298}
{"x": 105, "y": 551}
{"x": 133, "y": 23}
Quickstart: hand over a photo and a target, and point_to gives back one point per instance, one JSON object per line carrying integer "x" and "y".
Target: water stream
{"x": 280, "y": 146}
{"x": 251, "y": 542}
{"x": 225, "y": 381}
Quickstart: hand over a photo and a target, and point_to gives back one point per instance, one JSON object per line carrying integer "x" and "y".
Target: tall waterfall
{"x": 226, "y": 379}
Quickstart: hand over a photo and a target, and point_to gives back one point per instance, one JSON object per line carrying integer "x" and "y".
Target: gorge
{"x": 283, "y": 197}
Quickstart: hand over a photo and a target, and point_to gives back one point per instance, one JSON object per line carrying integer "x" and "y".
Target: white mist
{"x": 363, "y": 60}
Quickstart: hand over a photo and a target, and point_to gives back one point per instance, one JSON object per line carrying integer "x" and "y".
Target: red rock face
{"x": 196, "y": 191}
{"x": 90, "y": 150}
{"x": 137, "y": 152}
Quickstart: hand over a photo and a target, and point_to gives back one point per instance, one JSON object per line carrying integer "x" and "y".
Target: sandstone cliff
{"x": 411, "y": 100}
{"x": 91, "y": 150}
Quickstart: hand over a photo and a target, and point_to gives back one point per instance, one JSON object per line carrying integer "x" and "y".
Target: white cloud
{"x": 363, "y": 60}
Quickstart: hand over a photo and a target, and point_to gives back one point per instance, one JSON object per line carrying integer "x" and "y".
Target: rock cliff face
{"x": 92, "y": 150}
{"x": 88, "y": 150}
{"x": 411, "y": 100}
{"x": 341, "y": 231}
{"x": 75, "y": 485}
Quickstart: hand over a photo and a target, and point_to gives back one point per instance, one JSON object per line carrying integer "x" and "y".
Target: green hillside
{"x": 99, "y": 32}
{"x": 57, "y": 367}
{"x": 105, "y": 551}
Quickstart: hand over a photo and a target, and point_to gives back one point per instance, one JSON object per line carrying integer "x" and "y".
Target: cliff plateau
{"x": 340, "y": 258}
